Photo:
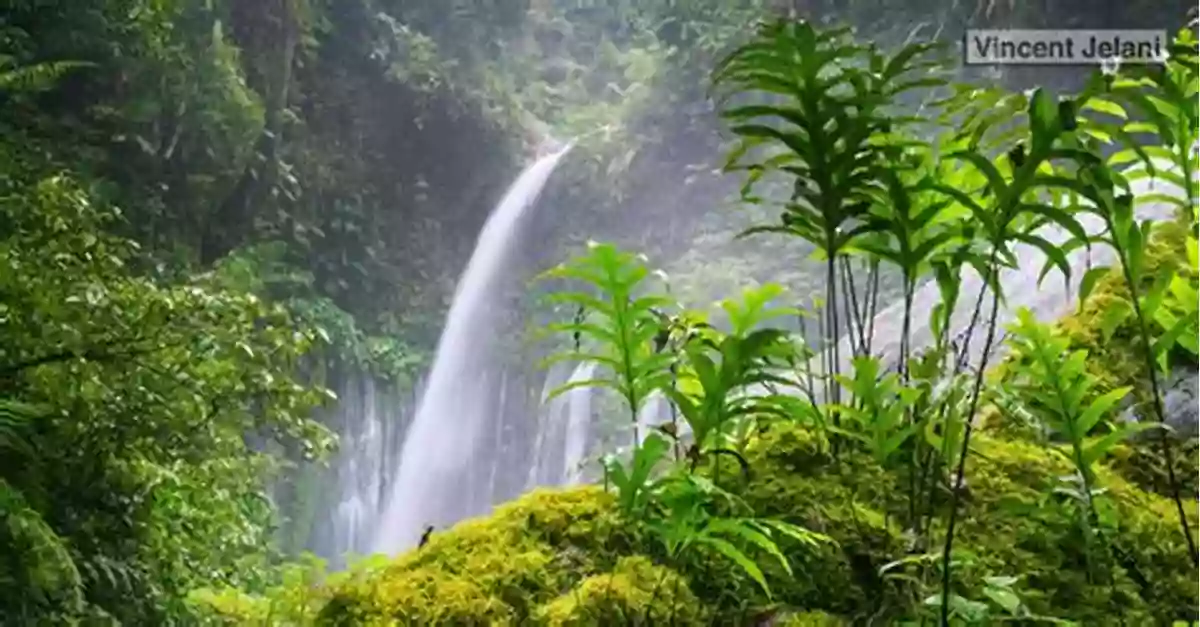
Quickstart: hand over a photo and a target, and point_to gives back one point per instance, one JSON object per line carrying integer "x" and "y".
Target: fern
{"x": 618, "y": 324}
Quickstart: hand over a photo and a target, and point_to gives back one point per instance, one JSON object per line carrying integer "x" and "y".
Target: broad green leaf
{"x": 1004, "y": 598}
{"x": 743, "y": 530}
{"x": 1100, "y": 407}
{"x": 1106, "y": 106}
{"x": 1117, "y": 312}
{"x": 1088, "y": 283}
{"x": 1098, "y": 448}
{"x": 738, "y": 557}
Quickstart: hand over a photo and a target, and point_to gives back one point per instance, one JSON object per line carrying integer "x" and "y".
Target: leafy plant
{"x": 635, "y": 483}
{"x": 879, "y": 414}
{"x": 1001, "y": 604}
{"x": 145, "y": 396}
{"x": 619, "y": 323}
{"x": 1056, "y": 389}
{"x": 722, "y": 378}
{"x": 827, "y": 123}
{"x": 689, "y": 523}
{"x": 1103, "y": 188}
{"x": 1059, "y": 391}
{"x": 710, "y": 376}
{"x": 1163, "y": 96}
{"x": 1017, "y": 187}
{"x": 1178, "y": 315}
{"x": 16, "y": 78}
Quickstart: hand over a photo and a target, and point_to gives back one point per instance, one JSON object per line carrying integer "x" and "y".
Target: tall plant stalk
{"x": 1164, "y": 441}
{"x": 1046, "y": 124}
{"x": 960, "y": 470}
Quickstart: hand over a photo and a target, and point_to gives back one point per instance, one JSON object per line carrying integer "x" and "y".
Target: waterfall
{"x": 564, "y": 429}
{"x": 361, "y": 473}
{"x": 654, "y": 412}
{"x": 370, "y": 418}
{"x": 578, "y": 424}
{"x": 550, "y": 432}
{"x": 442, "y": 440}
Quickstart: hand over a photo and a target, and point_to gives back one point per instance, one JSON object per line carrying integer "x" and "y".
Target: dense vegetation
{"x": 203, "y": 205}
{"x": 818, "y": 495}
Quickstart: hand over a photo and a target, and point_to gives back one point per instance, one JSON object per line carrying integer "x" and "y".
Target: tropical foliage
{"x": 207, "y": 206}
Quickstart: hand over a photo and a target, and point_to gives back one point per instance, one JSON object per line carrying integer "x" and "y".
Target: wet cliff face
{"x": 335, "y": 509}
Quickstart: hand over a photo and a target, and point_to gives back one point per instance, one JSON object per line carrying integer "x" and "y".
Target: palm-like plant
{"x": 1165, "y": 96}
{"x": 826, "y": 121}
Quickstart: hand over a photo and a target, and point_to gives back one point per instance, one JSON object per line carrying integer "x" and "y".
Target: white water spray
{"x": 442, "y": 440}
{"x": 579, "y": 423}
{"x": 654, "y": 412}
{"x": 549, "y": 433}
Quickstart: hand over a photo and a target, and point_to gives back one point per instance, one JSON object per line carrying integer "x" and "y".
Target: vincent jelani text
{"x": 1063, "y": 47}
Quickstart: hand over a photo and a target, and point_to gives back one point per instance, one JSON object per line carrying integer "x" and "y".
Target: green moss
{"x": 1116, "y": 358}
{"x": 496, "y": 569}
{"x": 813, "y": 619}
{"x": 568, "y": 558}
{"x": 797, "y": 480}
{"x": 636, "y": 592}
{"x": 1144, "y": 466}
{"x": 1016, "y": 524}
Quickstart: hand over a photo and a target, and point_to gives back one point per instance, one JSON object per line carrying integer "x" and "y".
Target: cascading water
{"x": 550, "y": 433}
{"x": 370, "y": 419}
{"x": 436, "y": 460}
{"x": 654, "y": 412}
{"x": 578, "y": 424}
{"x": 361, "y": 474}
{"x": 564, "y": 429}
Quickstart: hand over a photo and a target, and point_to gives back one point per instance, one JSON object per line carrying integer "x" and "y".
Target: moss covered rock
{"x": 569, "y": 558}
{"x": 1115, "y": 350}
{"x": 1116, "y": 358}
{"x": 813, "y": 619}
{"x": 494, "y": 570}
{"x": 1018, "y": 523}
{"x": 637, "y": 592}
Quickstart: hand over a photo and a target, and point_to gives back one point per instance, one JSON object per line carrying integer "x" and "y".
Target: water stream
{"x": 433, "y": 482}
{"x": 578, "y": 424}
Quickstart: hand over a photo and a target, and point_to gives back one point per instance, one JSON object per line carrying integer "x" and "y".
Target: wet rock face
{"x": 1180, "y": 396}
{"x": 1181, "y": 393}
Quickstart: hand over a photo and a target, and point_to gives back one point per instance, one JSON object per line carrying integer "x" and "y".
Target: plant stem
{"x": 1163, "y": 440}
{"x": 906, "y": 327}
{"x": 624, "y": 322}
{"x": 1188, "y": 176}
{"x": 962, "y": 460}
{"x": 905, "y": 347}
{"x": 874, "y": 305}
{"x": 832, "y": 334}
{"x": 857, "y": 316}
